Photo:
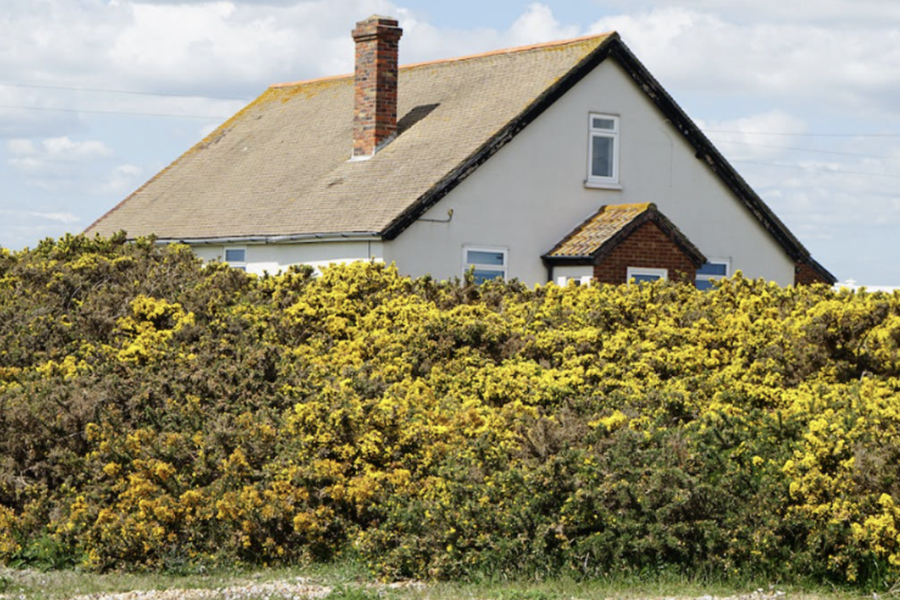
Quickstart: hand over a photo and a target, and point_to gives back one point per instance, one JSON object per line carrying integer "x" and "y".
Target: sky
{"x": 801, "y": 96}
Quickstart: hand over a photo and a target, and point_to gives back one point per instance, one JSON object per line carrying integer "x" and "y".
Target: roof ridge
{"x": 631, "y": 206}
{"x": 512, "y": 50}
{"x": 497, "y": 52}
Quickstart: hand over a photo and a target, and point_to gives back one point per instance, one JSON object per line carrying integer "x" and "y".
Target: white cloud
{"x": 55, "y": 154}
{"x": 21, "y": 147}
{"x": 57, "y": 217}
{"x": 25, "y": 112}
{"x": 25, "y": 227}
{"x": 842, "y": 13}
{"x": 704, "y": 51}
{"x": 538, "y": 24}
{"x": 122, "y": 180}
{"x": 56, "y": 163}
{"x": 750, "y": 138}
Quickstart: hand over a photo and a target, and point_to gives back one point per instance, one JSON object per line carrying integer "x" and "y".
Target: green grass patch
{"x": 347, "y": 581}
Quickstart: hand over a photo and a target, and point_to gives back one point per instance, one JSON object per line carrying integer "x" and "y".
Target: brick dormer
{"x": 375, "y": 110}
{"x": 627, "y": 236}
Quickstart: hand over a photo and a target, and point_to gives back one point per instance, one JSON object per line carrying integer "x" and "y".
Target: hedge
{"x": 157, "y": 412}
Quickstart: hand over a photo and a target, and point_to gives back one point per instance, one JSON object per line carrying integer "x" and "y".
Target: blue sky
{"x": 96, "y": 96}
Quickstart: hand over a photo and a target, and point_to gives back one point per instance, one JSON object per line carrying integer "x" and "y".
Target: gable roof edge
{"x": 704, "y": 149}
{"x": 708, "y": 153}
{"x": 502, "y": 137}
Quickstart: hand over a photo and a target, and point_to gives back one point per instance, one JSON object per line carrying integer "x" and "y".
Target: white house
{"x": 542, "y": 163}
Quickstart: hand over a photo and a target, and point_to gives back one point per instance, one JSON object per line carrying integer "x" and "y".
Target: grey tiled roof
{"x": 280, "y": 166}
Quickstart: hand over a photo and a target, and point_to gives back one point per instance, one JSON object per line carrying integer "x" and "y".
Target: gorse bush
{"x": 156, "y": 412}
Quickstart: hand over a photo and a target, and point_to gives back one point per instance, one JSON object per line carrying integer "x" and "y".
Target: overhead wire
{"x": 45, "y": 86}
{"x": 807, "y": 168}
{"x": 114, "y": 91}
{"x": 810, "y": 150}
{"x": 111, "y": 112}
{"x": 801, "y": 167}
{"x": 790, "y": 134}
{"x": 224, "y": 98}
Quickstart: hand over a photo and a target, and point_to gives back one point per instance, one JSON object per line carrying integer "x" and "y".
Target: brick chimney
{"x": 375, "y": 111}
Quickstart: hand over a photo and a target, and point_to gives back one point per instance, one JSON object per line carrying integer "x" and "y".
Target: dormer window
{"x": 603, "y": 151}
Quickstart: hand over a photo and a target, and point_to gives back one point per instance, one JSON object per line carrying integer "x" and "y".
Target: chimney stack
{"x": 375, "y": 111}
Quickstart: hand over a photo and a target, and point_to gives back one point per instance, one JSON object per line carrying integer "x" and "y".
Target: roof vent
{"x": 375, "y": 111}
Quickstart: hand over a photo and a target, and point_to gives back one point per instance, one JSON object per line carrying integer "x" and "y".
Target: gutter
{"x": 276, "y": 239}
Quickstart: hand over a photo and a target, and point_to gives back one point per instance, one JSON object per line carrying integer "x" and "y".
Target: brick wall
{"x": 375, "y": 109}
{"x": 646, "y": 247}
{"x": 806, "y": 275}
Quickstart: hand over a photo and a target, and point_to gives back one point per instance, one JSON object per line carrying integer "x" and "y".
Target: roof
{"x": 280, "y": 166}
{"x": 604, "y": 230}
{"x": 278, "y": 169}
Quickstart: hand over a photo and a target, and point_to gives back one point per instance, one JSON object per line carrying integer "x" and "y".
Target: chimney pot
{"x": 375, "y": 109}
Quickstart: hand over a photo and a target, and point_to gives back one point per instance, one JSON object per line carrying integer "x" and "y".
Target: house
{"x": 551, "y": 162}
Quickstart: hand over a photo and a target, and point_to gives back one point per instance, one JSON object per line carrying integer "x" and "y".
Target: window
{"x": 603, "y": 150}
{"x": 488, "y": 263}
{"x": 715, "y": 269}
{"x": 236, "y": 257}
{"x": 563, "y": 280}
{"x": 641, "y": 274}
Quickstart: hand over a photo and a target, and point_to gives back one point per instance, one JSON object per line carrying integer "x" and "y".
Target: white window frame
{"x": 634, "y": 272}
{"x": 564, "y": 280}
{"x": 237, "y": 264}
{"x": 602, "y": 181}
{"x": 503, "y": 270}
{"x": 715, "y": 261}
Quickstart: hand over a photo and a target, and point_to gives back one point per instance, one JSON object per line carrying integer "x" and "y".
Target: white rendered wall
{"x": 273, "y": 258}
{"x": 531, "y": 193}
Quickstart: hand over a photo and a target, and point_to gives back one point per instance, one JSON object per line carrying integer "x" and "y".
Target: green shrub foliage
{"x": 156, "y": 412}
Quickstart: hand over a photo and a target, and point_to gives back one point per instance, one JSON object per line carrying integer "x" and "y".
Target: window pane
{"x": 482, "y": 275}
{"x": 704, "y": 284}
{"x": 643, "y": 278}
{"x": 603, "y": 123}
{"x": 718, "y": 269}
{"x": 235, "y": 255}
{"x": 602, "y": 156}
{"x": 482, "y": 257}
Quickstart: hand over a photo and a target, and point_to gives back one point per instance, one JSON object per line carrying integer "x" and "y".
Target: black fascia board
{"x": 705, "y": 150}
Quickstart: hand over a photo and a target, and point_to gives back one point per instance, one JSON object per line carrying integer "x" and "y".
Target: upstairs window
{"x": 711, "y": 271}
{"x": 603, "y": 150}
{"x": 236, "y": 257}
{"x": 487, "y": 263}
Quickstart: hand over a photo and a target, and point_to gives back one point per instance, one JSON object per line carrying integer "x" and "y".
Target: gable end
{"x": 501, "y": 138}
{"x": 707, "y": 152}
{"x": 703, "y": 148}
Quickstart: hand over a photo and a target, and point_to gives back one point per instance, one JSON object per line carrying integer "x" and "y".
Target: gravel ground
{"x": 26, "y": 584}
{"x": 287, "y": 590}
{"x": 297, "y": 588}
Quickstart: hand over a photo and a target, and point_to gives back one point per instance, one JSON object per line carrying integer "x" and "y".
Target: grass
{"x": 350, "y": 582}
